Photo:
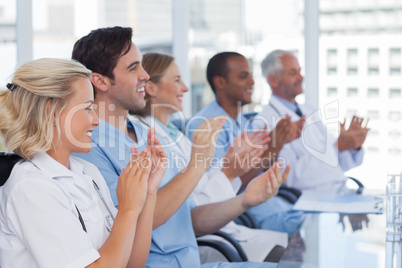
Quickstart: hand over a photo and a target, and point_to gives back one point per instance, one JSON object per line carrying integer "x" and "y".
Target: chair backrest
{"x": 290, "y": 194}
{"x": 7, "y": 162}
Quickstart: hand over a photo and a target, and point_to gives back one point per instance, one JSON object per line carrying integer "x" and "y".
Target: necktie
{"x": 298, "y": 112}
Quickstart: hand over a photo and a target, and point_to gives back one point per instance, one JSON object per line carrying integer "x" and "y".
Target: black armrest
{"x": 246, "y": 220}
{"x": 7, "y": 162}
{"x": 359, "y": 184}
{"x": 289, "y": 194}
{"x": 234, "y": 243}
{"x": 225, "y": 249}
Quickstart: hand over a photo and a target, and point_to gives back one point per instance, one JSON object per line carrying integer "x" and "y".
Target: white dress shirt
{"x": 315, "y": 160}
{"x": 39, "y": 222}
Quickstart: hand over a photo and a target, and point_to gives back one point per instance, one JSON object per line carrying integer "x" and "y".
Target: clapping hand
{"x": 280, "y": 135}
{"x": 132, "y": 185}
{"x": 204, "y": 141}
{"x": 354, "y": 137}
{"x": 265, "y": 186}
{"x": 159, "y": 161}
{"x": 245, "y": 153}
{"x": 296, "y": 128}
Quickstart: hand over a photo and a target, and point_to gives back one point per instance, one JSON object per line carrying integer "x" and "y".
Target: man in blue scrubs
{"x": 118, "y": 79}
{"x": 230, "y": 79}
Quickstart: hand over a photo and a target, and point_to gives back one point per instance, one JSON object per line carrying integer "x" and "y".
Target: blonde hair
{"x": 156, "y": 65}
{"x": 42, "y": 90}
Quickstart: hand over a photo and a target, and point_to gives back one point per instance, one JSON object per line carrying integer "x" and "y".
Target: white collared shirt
{"x": 316, "y": 164}
{"x": 39, "y": 221}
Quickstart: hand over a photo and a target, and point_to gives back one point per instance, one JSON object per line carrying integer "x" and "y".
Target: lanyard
{"x": 104, "y": 202}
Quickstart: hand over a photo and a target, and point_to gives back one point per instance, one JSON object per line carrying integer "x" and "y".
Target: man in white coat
{"x": 318, "y": 160}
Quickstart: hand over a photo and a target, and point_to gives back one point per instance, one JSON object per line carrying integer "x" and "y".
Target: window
{"x": 373, "y": 57}
{"x": 332, "y": 57}
{"x": 394, "y": 116}
{"x": 352, "y": 92}
{"x": 332, "y": 91}
{"x": 235, "y": 25}
{"x": 373, "y": 133}
{"x": 394, "y": 61}
{"x": 351, "y": 112}
{"x": 352, "y": 71}
{"x": 8, "y": 45}
{"x": 393, "y": 134}
{"x": 57, "y": 24}
{"x": 331, "y": 71}
{"x": 394, "y": 93}
{"x": 374, "y": 150}
{"x": 394, "y": 150}
{"x": 395, "y": 71}
{"x": 352, "y": 60}
{"x": 373, "y": 71}
{"x": 373, "y": 92}
{"x": 395, "y": 57}
{"x": 366, "y": 34}
{"x": 373, "y": 114}
{"x": 197, "y": 93}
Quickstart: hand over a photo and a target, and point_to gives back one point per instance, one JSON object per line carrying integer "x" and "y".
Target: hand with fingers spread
{"x": 245, "y": 153}
{"x": 357, "y": 123}
{"x": 204, "y": 142}
{"x": 265, "y": 185}
{"x": 354, "y": 137}
{"x": 280, "y": 135}
{"x": 133, "y": 182}
{"x": 159, "y": 160}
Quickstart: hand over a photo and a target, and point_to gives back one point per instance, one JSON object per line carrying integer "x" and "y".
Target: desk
{"x": 321, "y": 242}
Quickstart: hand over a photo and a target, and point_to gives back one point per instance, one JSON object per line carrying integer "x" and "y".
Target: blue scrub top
{"x": 230, "y": 129}
{"x": 173, "y": 243}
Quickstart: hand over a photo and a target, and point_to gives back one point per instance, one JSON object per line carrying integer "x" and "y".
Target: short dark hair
{"x": 217, "y": 66}
{"x": 100, "y": 50}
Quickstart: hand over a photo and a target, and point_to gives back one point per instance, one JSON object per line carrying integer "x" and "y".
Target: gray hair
{"x": 272, "y": 63}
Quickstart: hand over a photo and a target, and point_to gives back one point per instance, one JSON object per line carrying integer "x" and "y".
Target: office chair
{"x": 359, "y": 184}
{"x": 234, "y": 243}
{"x": 290, "y": 194}
{"x": 246, "y": 220}
{"x": 230, "y": 248}
{"x": 7, "y": 162}
{"x": 226, "y": 250}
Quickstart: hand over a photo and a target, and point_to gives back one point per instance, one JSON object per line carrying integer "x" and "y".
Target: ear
{"x": 219, "y": 81}
{"x": 273, "y": 81}
{"x": 151, "y": 88}
{"x": 100, "y": 82}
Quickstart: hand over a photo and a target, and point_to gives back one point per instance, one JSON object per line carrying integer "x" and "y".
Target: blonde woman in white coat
{"x": 56, "y": 210}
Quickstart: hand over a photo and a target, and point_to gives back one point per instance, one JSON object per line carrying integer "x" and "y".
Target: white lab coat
{"x": 314, "y": 158}
{"x": 39, "y": 221}
{"x": 215, "y": 187}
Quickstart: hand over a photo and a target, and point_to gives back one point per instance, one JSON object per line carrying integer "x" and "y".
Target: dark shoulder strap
{"x": 7, "y": 162}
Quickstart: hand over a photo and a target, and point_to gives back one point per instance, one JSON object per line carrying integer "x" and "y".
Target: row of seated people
{"x": 150, "y": 190}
